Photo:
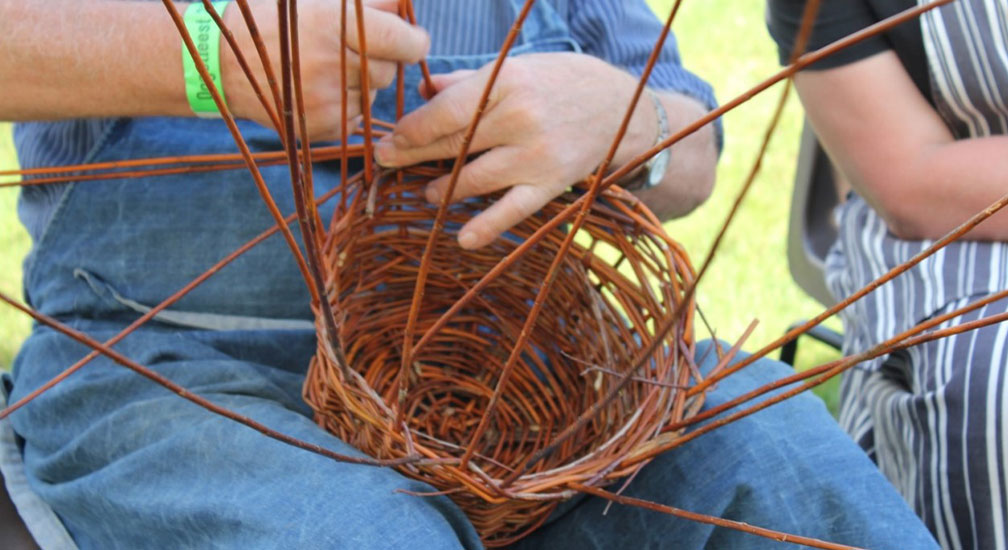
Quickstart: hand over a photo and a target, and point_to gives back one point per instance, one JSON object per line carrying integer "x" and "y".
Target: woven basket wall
{"x": 620, "y": 281}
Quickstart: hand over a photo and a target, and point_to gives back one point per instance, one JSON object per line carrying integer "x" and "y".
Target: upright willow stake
{"x": 243, "y": 64}
{"x": 307, "y": 183}
{"x": 264, "y": 58}
{"x": 344, "y": 123}
{"x": 424, "y": 69}
{"x": 365, "y": 91}
{"x": 439, "y": 220}
{"x": 308, "y": 224}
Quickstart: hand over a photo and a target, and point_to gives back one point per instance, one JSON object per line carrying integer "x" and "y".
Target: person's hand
{"x": 549, "y": 123}
{"x": 389, "y": 40}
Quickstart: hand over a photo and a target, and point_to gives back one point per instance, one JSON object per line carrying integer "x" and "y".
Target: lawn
{"x": 14, "y": 242}
{"x": 727, "y": 43}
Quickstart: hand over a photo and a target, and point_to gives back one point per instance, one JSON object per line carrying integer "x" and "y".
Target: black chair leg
{"x": 823, "y": 334}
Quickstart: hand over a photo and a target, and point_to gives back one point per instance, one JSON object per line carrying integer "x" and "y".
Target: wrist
{"x": 241, "y": 98}
{"x": 652, "y": 172}
{"x": 643, "y": 131}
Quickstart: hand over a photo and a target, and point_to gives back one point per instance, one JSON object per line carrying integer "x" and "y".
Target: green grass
{"x": 727, "y": 44}
{"x": 14, "y": 244}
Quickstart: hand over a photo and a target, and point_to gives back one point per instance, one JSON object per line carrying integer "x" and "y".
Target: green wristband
{"x": 206, "y": 35}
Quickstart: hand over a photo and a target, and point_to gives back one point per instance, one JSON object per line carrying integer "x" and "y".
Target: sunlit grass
{"x": 14, "y": 243}
{"x": 726, "y": 43}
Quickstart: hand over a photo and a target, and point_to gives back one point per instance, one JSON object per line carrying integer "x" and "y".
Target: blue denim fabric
{"x": 788, "y": 468}
{"x": 127, "y": 464}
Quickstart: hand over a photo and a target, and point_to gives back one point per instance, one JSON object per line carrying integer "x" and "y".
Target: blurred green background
{"x": 14, "y": 242}
{"x": 725, "y": 42}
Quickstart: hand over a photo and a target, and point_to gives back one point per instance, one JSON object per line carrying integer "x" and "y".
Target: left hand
{"x": 549, "y": 123}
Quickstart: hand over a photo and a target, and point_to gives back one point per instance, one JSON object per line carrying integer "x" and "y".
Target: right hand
{"x": 389, "y": 40}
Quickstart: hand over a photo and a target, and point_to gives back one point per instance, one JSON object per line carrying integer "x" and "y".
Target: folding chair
{"x": 811, "y": 233}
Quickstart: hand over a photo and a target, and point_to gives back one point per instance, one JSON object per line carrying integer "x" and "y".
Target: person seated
{"x": 915, "y": 119}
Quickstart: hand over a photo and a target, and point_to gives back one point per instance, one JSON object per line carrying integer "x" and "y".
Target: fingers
{"x": 492, "y": 171}
{"x": 391, "y": 6}
{"x": 381, "y": 73}
{"x": 442, "y": 81}
{"x": 517, "y": 204}
{"x": 416, "y": 137}
{"x": 389, "y": 155}
{"x": 388, "y": 36}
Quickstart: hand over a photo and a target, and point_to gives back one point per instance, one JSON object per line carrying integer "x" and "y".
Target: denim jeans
{"x": 127, "y": 464}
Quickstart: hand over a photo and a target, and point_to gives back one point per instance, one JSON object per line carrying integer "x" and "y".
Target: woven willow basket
{"x": 621, "y": 280}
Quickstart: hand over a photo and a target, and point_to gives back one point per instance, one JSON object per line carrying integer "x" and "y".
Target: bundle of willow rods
{"x": 621, "y": 280}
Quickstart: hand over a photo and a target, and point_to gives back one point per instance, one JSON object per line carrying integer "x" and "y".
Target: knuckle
{"x": 456, "y": 113}
{"x": 472, "y": 181}
{"x": 424, "y": 42}
{"x": 547, "y": 152}
{"x": 453, "y": 143}
{"x": 514, "y": 212}
{"x": 382, "y": 34}
{"x": 521, "y": 204}
{"x": 527, "y": 114}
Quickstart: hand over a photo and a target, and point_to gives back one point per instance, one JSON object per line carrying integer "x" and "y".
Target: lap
{"x": 788, "y": 468}
{"x": 127, "y": 463}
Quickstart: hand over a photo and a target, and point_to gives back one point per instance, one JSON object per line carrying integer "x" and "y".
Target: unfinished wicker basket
{"x": 621, "y": 279}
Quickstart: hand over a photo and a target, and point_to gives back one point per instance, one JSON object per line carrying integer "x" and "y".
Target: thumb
{"x": 442, "y": 81}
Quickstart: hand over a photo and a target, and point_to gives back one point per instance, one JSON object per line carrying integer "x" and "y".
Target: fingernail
{"x": 381, "y": 154}
{"x": 385, "y": 152}
{"x": 432, "y": 194}
{"x": 467, "y": 239}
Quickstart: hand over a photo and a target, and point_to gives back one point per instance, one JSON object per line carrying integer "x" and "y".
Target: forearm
{"x": 943, "y": 186}
{"x": 70, "y": 59}
{"x": 899, "y": 155}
